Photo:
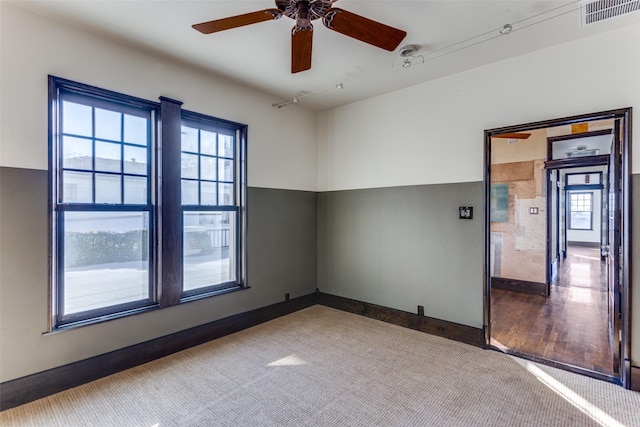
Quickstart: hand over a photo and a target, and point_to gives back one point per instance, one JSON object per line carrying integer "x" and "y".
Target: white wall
{"x": 433, "y": 132}
{"x": 33, "y": 47}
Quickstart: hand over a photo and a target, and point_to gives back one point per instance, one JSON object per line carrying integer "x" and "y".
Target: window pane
{"x": 581, "y": 220}
{"x": 106, "y": 259}
{"x": 108, "y": 188}
{"x": 77, "y": 153}
{"x": 189, "y": 139}
{"x": 108, "y": 125}
{"x": 207, "y": 142}
{"x": 225, "y": 170}
{"x": 189, "y": 192}
{"x": 189, "y": 166}
{"x": 209, "y": 247}
{"x": 135, "y": 190}
{"x": 208, "y": 168}
{"x": 135, "y": 129}
{"x": 77, "y": 187}
{"x": 226, "y": 195}
{"x": 208, "y": 193}
{"x": 135, "y": 160}
{"x": 76, "y": 119}
{"x": 225, "y": 146}
{"x": 108, "y": 157}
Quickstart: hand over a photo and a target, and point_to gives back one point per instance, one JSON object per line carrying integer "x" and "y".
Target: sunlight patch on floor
{"x": 592, "y": 258}
{"x": 580, "y": 295}
{"x": 291, "y": 360}
{"x": 595, "y": 413}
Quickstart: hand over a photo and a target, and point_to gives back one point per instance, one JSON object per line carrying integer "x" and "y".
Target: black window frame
{"x": 163, "y": 202}
{"x": 238, "y": 132}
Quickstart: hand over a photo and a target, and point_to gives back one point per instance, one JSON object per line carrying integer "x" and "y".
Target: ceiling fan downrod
{"x": 303, "y": 20}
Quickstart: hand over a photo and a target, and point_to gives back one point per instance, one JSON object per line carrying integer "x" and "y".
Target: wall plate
{"x": 466, "y": 212}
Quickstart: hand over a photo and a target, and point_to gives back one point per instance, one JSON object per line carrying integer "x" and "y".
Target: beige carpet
{"x": 323, "y": 367}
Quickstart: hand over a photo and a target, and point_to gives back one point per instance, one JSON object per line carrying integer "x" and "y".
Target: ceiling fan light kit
{"x": 305, "y": 11}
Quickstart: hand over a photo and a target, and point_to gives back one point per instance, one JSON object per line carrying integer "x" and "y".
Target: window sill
{"x": 213, "y": 293}
{"x": 101, "y": 319}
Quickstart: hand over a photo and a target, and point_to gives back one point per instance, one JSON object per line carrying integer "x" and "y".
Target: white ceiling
{"x": 453, "y": 36}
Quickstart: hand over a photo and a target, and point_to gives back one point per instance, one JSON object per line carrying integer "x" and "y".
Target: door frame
{"x": 624, "y": 114}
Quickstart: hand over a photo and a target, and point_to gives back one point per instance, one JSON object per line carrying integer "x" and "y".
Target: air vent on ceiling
{"x": 596, "y": 11}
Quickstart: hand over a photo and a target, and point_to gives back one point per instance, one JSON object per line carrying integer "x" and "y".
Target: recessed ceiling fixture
{"x": 506, "y": 29}
{"x": 339, "y": 86}
{"x": 408, "y": 50}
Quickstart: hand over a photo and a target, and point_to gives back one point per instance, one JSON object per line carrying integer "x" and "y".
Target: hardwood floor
{"x": 569, "y": 326}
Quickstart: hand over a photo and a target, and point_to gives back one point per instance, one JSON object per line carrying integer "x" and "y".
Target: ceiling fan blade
{"x": 238, "y": 21}
{"x": 301, "y": 47}
{"x": 363, "y": 29}
{"x": 513, "y": 135}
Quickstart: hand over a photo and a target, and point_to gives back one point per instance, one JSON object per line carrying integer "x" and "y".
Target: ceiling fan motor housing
{"x": 316, "y": 8}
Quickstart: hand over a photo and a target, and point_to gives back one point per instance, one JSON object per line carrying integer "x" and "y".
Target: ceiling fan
{"x": 305, "y": 11}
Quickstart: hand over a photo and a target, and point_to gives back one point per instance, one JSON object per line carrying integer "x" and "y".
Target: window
{"x": 580, "y": 210}
{"x": 210, "y": 174}
{"x": 109, "y": 258}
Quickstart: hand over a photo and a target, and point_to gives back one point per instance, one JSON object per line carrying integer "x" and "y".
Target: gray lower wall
{"x": 282, "y": 256}
{"x": 401, "y": 247}
{"x": 282, "y": 259}
{"x": 397, "y": 247}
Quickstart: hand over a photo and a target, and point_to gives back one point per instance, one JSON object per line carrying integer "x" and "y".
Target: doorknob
{"x": 605, "y": 250}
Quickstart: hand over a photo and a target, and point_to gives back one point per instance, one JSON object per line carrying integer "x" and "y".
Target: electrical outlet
{"x": 421, "y": 310}
{"x": 286, "y": 297}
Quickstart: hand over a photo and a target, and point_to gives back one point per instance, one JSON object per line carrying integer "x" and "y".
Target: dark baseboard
{"x": 27, "y": 389}
{"x": 635, "y": 378}
{"x": 536, "y": 288}
{"x": 441, "y": 328}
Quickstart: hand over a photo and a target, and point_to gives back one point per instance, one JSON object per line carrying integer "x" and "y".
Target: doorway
{"x": 556, "y": 243}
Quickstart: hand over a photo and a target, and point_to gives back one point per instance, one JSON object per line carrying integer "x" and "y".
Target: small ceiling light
{"x": 406, "y": 63}
{"x": 506, "y": 29}
{"x": 339, "y": 86}
{"x": 295, "y": 99}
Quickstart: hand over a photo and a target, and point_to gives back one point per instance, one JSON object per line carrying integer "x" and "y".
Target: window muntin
{"x": 104, "y": 153}
{"x": 103, "y": 218}
{"x": 210, "y": 185}
{"x": 581, "y": 210}
{"x": 208, "y": 167}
